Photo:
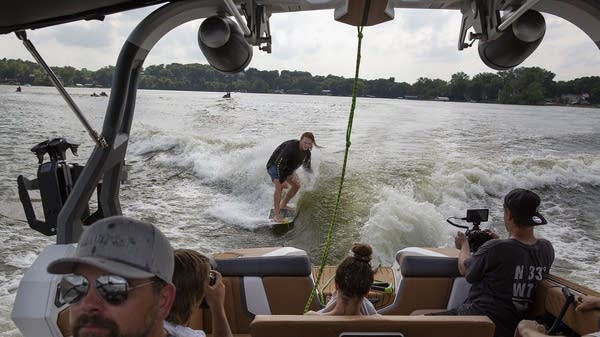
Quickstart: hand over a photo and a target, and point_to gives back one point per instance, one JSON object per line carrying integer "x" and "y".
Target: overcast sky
{"x": 417, "y": 43}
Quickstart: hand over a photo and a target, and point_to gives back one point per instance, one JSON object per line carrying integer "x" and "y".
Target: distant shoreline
{"x": 594, "y": 106}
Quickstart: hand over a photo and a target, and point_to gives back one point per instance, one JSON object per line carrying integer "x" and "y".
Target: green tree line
{"x": 524, "y": 85}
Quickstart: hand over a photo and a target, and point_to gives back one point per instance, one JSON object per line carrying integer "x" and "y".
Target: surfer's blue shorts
{"x": 273, "y": 172}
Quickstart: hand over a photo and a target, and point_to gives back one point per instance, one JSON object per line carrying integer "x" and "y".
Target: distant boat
{"x": 18, "y": 89}
{"x": 227, "y": 95}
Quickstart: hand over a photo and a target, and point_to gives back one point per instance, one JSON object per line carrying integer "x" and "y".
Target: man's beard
{"x": 111, "y": 326}
{"x": 113, "y": 329}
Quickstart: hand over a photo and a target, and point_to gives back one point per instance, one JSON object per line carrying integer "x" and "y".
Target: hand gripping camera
{"x": 475, "y": 235}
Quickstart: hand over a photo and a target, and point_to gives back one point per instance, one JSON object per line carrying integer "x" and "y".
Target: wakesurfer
{"x": 282, "y": 164}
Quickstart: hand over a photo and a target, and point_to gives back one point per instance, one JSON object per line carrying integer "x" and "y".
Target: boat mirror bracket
{"x": 257, "y": 17}
{"x": 238, "y": 17}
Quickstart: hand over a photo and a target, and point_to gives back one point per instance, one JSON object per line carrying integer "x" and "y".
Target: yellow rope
{"x": 337, "y": 203}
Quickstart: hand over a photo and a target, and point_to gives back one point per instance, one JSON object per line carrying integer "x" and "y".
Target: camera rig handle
{"x": 455, "y": 224}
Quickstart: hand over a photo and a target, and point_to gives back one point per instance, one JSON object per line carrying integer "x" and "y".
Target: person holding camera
{"x": 504, "y": 273}
{"x": 195, "y": 281}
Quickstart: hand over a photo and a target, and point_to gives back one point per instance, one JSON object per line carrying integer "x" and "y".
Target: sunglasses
{"x": 113, "y": 289}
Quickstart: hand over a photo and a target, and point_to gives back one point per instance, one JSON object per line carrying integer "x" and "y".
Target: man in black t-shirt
{"x": 504, "y": 273}
{"x": 286, "y": 158}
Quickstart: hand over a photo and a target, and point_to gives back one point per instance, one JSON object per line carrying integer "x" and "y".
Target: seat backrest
{"x": 262, "y": 285}
{"x": 334, "y": 326}
{"x": 425, "y": 282}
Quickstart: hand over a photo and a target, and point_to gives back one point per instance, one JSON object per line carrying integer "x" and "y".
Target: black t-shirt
{"x": 287, "y": 157}
{"x": 504, "y": 275}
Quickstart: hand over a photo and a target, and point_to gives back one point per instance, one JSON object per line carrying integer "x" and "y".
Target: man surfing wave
{"x": 282, "y": 164}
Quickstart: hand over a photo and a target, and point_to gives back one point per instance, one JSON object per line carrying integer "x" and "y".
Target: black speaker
{"x": 515, "y": 44}
{"x": 223, "y": 44}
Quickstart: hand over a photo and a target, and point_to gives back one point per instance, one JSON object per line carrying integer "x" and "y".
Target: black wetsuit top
{"x": 287, "y": 157}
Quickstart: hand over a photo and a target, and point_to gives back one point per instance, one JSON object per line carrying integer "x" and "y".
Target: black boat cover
{"x": 21, "y": 15}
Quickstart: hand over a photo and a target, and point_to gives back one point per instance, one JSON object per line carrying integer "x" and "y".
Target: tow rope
{"x": 339, "y": 194}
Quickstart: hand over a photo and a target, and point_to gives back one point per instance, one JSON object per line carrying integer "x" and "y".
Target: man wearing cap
{"x": 119, "y": 280}
{"x": 504, "y": 273}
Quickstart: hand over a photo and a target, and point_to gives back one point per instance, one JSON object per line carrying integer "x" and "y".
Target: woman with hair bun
{"x": 353, "y": 279}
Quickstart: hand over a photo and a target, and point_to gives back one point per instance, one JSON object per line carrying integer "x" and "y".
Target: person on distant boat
{"x": 103, "y": 94}
{"x": 529, "y": 328}
{"x": 353, "y": 279}
{"x": 18, "y": 89}
{"x": 286, "y": 158}
{"x": 504, "y": 273}
{"x": 119, "y": 282}
{"x": 191, "y": 278}
{"x": 94, "y": 94}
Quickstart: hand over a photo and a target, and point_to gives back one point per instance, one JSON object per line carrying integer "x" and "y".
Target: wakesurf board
{"x": 281, "y": 227}
{"x": 287, "y": 214}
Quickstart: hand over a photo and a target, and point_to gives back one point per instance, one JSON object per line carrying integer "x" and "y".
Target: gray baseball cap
{"x": 122, "y": 246}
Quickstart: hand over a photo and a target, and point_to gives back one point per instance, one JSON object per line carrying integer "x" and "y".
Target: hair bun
{"x": 362, "y": 252}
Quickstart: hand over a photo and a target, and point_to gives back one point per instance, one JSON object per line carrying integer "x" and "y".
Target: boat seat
{"x": 426, "y": 283}
{"x": 334, "y": 326}
{"x": 63, "y": 322}
{"x": 458, "y": 295}
{"x": 261, "y": 285}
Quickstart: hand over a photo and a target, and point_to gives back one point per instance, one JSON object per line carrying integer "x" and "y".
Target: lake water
{"x": 198, "y": 171}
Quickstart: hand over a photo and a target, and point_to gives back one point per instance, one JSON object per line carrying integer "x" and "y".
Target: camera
{"x": 477, "y": 216}
{"x": 212, "y": 280}
{"x": 475, "y": 236}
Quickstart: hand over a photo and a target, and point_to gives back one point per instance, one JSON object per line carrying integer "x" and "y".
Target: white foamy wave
{"x": 497, "y": 178}
{"x": 152, "y": 141}
{"x": 239, "y": 213}
{"x": 552, "y": 170}
{"x": 575, "y": 252}
{"x": 398, "y": 220}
